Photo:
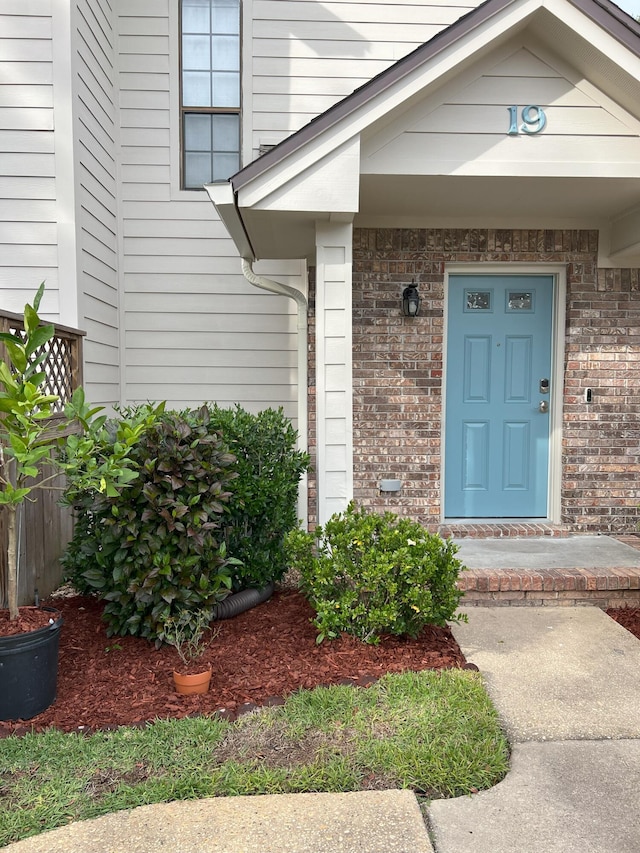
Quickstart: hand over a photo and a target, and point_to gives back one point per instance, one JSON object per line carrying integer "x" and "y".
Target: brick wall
{"x": 397, "y": 364}
{"x": 601, "y": 470}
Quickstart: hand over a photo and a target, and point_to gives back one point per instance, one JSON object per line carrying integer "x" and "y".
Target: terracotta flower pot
{"x": 196, "y": 683}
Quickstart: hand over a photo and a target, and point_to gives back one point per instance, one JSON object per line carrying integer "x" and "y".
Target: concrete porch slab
{"x": 563, "y": 571}
{"x": 547, "y": 552}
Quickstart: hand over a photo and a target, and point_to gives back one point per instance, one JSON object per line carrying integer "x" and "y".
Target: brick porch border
{"x": 602, "y": 587}
{"x": 519, "y": 529}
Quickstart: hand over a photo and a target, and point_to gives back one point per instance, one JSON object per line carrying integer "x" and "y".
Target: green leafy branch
{"x": 32, "y": 442}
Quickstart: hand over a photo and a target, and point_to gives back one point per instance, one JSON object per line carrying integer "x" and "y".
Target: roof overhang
{"x": 333, "y": 167}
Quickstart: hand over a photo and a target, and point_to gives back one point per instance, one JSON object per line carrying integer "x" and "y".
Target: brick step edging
{"x": 603, "y": 587}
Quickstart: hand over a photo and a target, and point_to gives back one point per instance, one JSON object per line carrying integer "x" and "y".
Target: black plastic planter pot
{"x": 29, "y": 671}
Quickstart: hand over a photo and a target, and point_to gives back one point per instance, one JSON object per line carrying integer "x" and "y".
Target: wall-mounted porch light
{"x": 410, "y": 301}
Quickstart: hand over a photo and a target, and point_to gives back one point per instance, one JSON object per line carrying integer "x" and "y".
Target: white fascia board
{"x": 223, "y": 199}
{"x": 589, "y": 30}
{"x": 328, "y": 185}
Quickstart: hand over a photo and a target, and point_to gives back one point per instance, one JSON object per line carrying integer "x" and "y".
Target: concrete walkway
{"x": 366, "y": 822}
{"x": 566, "y": 683}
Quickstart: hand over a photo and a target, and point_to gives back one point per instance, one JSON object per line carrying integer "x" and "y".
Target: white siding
{"x": 308, "y": 55}
{"x": 58, "y": 185}
{"x": 195, "y": 330}
{"x": 28, "y": 251}
{"x": 167, "y": 312}
{"x": 96, "y": 138}
{"x": 188, "y": 312}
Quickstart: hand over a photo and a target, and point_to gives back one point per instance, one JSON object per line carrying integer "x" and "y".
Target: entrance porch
{"x": 550, "y": 567}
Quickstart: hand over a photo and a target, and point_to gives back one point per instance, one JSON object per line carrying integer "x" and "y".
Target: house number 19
{"x": 533, "y": 120}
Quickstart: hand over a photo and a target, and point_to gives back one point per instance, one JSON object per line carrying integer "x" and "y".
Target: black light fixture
{"x": 410, "y": 300}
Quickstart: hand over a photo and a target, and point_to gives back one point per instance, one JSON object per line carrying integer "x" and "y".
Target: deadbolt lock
{"x": 544, "y": 386}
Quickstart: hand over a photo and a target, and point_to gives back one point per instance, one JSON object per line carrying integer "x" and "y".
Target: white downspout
{"x": 303, "y": 416}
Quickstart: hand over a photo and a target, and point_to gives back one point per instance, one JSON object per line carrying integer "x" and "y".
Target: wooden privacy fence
{"x": 48, "y": 524}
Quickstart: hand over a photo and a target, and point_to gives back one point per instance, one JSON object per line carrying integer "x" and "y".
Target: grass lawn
{"x": 435, "y": 732}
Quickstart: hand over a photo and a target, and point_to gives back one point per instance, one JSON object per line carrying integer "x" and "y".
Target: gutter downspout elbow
{"x": 302, "y": 327}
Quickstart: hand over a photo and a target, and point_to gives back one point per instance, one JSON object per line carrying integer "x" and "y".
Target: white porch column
{"x": 334, "y": 409}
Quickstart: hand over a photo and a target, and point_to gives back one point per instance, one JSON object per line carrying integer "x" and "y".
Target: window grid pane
{"x": 196, "y": 16}
{"x": 225, "y": 17}
{"x": 196, "y": 89}
{"x": 225, "y": 53}
{"x": 196, "y": 53}
{"x": 211, "y": 148}
{"x": 226, "y": 90}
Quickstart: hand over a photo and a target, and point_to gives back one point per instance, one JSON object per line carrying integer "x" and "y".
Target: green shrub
{"x": 106, "y": 436}
{"x": 157, "y": 548}
{"x": 263, "y": 508}
{"x": 368, "y": 574}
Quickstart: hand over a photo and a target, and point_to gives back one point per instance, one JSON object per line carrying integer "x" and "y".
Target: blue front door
{"x": 498, "y": 396}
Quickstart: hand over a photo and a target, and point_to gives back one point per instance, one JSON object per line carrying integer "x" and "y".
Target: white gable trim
{"x": 330, "y": 183}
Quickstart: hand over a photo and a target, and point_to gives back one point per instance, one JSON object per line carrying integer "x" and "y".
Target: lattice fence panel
{"x": 50, "y": 525}
{"x": 61, "y": 364}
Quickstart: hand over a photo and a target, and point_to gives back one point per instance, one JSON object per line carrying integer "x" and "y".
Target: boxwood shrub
{"x": 368, "y": 574}
{"x": 263, "y": 508}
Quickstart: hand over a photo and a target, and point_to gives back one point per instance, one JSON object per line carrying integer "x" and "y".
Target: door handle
{"x": 544, "y": 406}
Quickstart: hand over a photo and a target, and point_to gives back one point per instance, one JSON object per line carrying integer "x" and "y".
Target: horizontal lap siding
{"x": 309, "y": 55}
{"x": 185, "y": 302}
{"x": 97, "y": 176}
{"x": 28, "y": 251}
{"x": 193, "y": 335}
{"x": 195, "y": 330}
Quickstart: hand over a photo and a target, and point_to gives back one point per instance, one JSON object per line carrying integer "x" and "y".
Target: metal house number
{"x": 533, "y": 120}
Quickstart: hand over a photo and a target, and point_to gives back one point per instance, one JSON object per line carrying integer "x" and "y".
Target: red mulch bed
{"x": 257, "y": 658}
{"x": 628, "y": 617}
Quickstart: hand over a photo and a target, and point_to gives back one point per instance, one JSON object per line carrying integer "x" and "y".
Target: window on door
{"x": 209, "y": 90}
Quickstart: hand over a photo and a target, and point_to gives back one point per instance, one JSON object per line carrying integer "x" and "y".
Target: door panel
{"x": 517, "y": 446}
{"x": 477, "y": 369}
{"x": 518, "y": 355}
{"x": 497, "y": 438}
{"x": 475, "y": 470}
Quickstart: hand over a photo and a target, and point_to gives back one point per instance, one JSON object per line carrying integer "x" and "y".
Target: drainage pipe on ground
{"x": 238, "y": 602}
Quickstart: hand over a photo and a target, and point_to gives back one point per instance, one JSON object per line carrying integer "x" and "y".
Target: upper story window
{"x": 210, "y": 90}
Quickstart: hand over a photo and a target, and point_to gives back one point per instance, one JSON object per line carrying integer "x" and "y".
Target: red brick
{"x": 398, "y": 363}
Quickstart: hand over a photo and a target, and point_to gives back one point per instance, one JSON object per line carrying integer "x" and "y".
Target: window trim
{"x": 182, "y": 110}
